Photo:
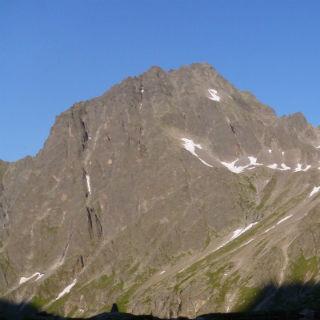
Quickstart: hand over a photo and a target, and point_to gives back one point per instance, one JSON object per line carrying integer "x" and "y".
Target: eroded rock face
{"x": 173, "y": 193}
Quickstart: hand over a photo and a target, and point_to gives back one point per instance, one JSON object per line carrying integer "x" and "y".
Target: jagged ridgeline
{"x": 173, "y": 193}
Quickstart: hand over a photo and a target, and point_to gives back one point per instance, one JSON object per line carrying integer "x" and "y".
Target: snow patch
{"x": 253, "y": 161}
{"x": 238, "y": 169}
{"x": 246, "y": 243}
{"x": 306, "y": 168}
{"x": 88, "y": 183}
{"x": 181, "y": 270}
{"x": 284, "y": 219}
{"x": 273, "y": 166}
{"x": 314, "y": 191}
{"x": 190, "y": 146}
{"x": 237, "y": 233}
{"x": 164, "y": 220}
{"x": 66, "y": 290}
{"x": 269, "y": 229}
{"x": 284, "y": 167}
{"x": 38, "y": 276}
{"x": 299, "y": 168}
{"x": 279, "y": 222}
{"x": 213, "y": 95}
{"x": 232, "y": 166}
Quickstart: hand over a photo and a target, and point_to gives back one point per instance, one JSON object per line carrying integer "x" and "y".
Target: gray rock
{"x": 118, "y": 207}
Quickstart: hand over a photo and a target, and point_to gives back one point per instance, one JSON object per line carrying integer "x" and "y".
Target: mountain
{"x": 173, "y": 193}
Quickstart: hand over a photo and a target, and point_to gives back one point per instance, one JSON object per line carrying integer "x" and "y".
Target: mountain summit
{"x": 172, "y": 193}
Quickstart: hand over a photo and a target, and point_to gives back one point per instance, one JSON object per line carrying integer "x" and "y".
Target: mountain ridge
{"x": 155, "y": 69}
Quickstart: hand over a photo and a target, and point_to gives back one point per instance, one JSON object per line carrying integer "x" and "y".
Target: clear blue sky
{"x": 57, "y": 52}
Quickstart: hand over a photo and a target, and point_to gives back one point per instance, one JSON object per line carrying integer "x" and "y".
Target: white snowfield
{"x": 38, "y": 276}
{"x": 314, "y": 191}
{"x": 253, "y": 163}
{"x": 279, "y": 222}
{"x": 88, "y": 183}
{"x": 269, "y": 229}
{"x": 284, "y": 219}
{"x": 232, "y": 166}
{"x": 190, "y": 146}
{"x": 273, "y": 166}
{"x": 213, "y": 95}
{"x": 66, "y": 290}
{"x": 237, "y": 233}
{"x": 284, "y": 167}
{"x": 238, "y": 169}
{"x": 299, "y": 168}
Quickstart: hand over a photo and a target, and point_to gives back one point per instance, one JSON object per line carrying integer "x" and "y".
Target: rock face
{"x": 173, "y": 193}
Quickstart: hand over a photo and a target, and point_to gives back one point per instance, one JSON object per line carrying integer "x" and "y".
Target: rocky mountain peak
{"x": 172, "y": 193}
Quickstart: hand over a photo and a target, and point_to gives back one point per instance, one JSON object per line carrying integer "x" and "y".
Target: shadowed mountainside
{"x": 291, "y": 301}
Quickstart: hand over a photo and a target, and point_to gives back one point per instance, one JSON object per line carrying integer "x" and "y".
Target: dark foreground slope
{"x": 173, "y": 193}
{"x": 275, "y": 311}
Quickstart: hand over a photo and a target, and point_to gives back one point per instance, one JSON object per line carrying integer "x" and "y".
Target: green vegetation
{"x": 267, "y": 193}
{"x": 223, "y": 284}
{"x": 174, "y": 259}
{"x": 133, "y": 269}
{"x": 57, "y": 306}
{"x": 103, "y": 282}
{"x": 250, "y": 184}
{"x": 246, "y": 201}
{"x": 208, "y": 240}
{"x": 50, "y": 229}
{"x": 39, "y": 302}
{"x": 178, "y": 285}
{"x": 303, "y": 268}
{"x": 192, "y": 269}
{"x": 6, "y": 266}
{"x": 247, "y": 296}
{"x": 124, "y": 299}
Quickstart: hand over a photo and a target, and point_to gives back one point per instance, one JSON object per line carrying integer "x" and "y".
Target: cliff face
{"x": 173, "y": 193}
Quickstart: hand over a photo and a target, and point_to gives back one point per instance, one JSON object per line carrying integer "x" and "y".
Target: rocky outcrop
{"x": 173, "y": 193}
